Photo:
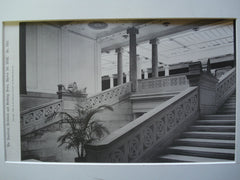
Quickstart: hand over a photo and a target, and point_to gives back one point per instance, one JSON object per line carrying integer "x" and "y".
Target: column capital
{"x": 110, "y": 75}
{"x": 119, "y": 50}
{"x": 132, "y": 30}
{"x": 154, "y": 41}
{"x": 145, "y": 70}
{"x": 166, "y": 66}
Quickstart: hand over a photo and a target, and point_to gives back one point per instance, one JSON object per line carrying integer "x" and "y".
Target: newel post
{"x": 206, "y": 83}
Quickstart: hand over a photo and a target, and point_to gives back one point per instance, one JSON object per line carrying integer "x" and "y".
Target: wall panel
{"x": 55, "y": 55}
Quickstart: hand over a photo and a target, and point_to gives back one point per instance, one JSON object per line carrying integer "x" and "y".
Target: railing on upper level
{"x": 109, "y": 96}
{"x": 225, "y": 87}
{"x": 163, "y": 84}
{"x": 39, "y": 116}
{"x": 135, "y": 140}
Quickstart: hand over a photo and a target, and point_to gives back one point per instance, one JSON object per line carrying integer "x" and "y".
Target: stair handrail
{"x": 165, "y": 83}
{"x": 109, "y": 96}
{"x": 226, "y": 75}
{"x": 225, "y": 86}
{"x": 37, "y": 117}
{"x": 136, "y": 139}
{"x": 40, "y": 116}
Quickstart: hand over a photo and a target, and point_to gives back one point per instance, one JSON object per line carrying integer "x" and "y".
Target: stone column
{"x": 111, "y": 81}
{"x": 119, "y": 52}
{"x": 145, "y": 74}
{"x": 139, "y": 72}
{"x": 127, "y": 77}
{"x": 166, "y": 68}
{"x": 154, "y": 43}
{"x": 133, "y": 57}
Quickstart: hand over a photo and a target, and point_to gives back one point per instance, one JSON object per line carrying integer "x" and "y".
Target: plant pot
{"x": 80, "y": 159}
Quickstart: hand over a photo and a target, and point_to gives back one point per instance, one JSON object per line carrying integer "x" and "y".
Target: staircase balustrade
{"x": 40, "y": 116}
{"x": 109, "y": 96}
{"x": 156, "y": 128}
{"x": 225, "y": 87}
{"x": 163, "y": 84}
{"x": 135, "y": 140}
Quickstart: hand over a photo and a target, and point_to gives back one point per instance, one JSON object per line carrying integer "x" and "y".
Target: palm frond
{"x": 92, "y": 112}
{"x": 83, "y": 128}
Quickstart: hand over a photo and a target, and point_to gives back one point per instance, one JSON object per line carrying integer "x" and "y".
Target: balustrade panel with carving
{"x": 109, "y": 97}
{"x": 225, "y": 87}
{"x": 170, "y": 83}
{"x": 132, "y": 142}
{"x": 39, "y": 116}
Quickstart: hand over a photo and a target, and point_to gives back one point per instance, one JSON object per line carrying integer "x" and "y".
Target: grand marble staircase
{"x": 209, "y": 139}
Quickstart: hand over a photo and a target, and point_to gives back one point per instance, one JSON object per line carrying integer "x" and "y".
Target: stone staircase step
{"x": 219, "y": 116}
{"x": 231, "y": 101}
{"x": 215, "y": 143}
{"x": 215, "y": 122}
{"x": 183, "y": 158}
{"x": 203, "y": 152}
{"x": 210, "y": 139}
{"x": 227, "y": 110}
{"x": 212, "y": 128}
{"x": 233, "y": 105}
{"x": 210, "y": 135}
{"x": 228, "y": 107}
{"x": 144, "y": 96}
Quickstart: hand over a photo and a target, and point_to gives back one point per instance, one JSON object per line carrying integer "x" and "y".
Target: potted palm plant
{"x": 82, "y": 128}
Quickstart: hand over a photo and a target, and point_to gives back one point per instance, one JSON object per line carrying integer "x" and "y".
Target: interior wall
{"x": 55, "y": 55}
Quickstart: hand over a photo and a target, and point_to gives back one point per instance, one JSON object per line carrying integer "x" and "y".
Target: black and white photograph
{"x": 128, "y": 91}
